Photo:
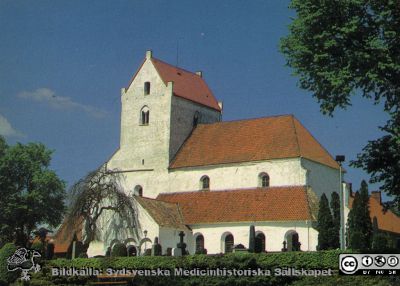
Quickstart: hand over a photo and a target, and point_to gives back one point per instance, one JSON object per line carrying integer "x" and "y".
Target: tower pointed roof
{"x": 187, "y": 85}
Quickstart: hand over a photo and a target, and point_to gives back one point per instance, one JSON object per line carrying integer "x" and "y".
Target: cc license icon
{"x": 348, "y": 264}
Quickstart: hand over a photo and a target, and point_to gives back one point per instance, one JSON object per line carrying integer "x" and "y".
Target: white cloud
{"x": 7, "y": 130}
{"x": 50, "y": 98}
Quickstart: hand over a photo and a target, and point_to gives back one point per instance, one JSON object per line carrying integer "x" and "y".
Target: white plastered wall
{"x": 274, "y": 233}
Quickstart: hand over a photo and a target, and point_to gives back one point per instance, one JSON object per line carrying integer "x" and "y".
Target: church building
{"x": 189, "y": 171}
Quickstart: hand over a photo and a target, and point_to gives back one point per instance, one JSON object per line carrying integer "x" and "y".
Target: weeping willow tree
{"x": 107, "y": 212}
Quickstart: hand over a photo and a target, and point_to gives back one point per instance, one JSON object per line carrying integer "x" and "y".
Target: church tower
{"x": 160, "y": 107}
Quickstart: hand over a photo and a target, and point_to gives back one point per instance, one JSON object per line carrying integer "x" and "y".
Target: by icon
{"x": 367, "y": 261}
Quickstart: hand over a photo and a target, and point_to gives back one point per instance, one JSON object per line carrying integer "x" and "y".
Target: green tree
{"x": 335, "y": 207}
{"x": 31, "y": 193}
{"x": 342, "y": 48}
{"x": 359, "y": 221}
{"x": 379, "y": 240}
{"x": 366, "y": 225}
{"x": 252, "y": 239}
{"x": 7, "y": 277}
{"x": 325, "y": 223}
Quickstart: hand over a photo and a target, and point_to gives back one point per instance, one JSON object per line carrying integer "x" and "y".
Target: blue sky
{"x": 63, "y": 63}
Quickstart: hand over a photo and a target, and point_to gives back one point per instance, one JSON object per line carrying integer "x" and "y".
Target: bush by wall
{"x": 38, "y": 246}
{"x": 118, "y": 250}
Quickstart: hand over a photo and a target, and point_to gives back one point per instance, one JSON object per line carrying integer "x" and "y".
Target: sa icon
{"x": 349, "y": 264}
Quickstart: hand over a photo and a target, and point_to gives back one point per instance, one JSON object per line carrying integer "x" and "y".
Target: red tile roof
{"x": 387, "y": 221}
{"x": 187, "y": 85}
{"x": 245, "y": 205}
{"x": 65, "y": 234}
{"x": 250, "y": 140}
{"x": 165, "y": 214}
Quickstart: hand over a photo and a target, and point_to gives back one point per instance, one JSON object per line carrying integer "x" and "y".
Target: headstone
{"x": 181, "y": 245}
{"x": 73, "y": 255}
{"x": 176, "y": 252}
{"x": 156, "y": 249}
{"x": 239, "y": 248}
{"x": 284, "y": 249}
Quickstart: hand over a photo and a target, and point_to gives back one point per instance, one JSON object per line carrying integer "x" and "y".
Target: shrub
{"x": 82, "y": 255}
{"x": 108, "y": 252}
{"x": 118, "y": 250}
{"x": 6, "y": 277}
{"x": 201, "y": 251}
{"x": 379, "y": 242}
{"x": 156, "y": 249}
{"x": 50, "y": 251}
{"x": 38, "y": 246}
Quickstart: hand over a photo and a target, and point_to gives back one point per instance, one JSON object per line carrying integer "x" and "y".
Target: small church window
{"x": 145, "y": 116}
{"x": 147, "y": 88}
{"x": 138, "y": 191}
{"x": 199, "y": 243}
{"x": 229, "y": 241}
{"x": 205, "y": 183}
{"x": 260, "y": 243}
{"x": 196, "y": 119}
{"x": 263, "y": 180}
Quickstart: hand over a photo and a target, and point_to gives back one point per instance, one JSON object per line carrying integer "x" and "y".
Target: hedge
{"x": 119, "y": 250}
{"x": 307, "y": 260}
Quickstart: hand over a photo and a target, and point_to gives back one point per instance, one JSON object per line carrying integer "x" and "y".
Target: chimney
{"x": 199, "y": 73}
{"x": 170, "y": 86}
{"x": 376, "y": 195}
{"x": 149, "y": 54}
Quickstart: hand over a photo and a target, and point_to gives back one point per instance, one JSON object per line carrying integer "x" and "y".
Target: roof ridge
{"x": 296, "y": 136}
{"x": 235, "y": 190}
{"x": 247, "y": 119}
{"x": 152, "y": 199}
{"x": 316, "y": 140}
{"x": 308, "y": 202}
{"x": 180, "y": 147}
{"x": 133, "y": 77}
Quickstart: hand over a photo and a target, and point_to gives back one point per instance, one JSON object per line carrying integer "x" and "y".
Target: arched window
{"x": 132, "y": 251}
{"x": 229, "y": 243}
{"x": 292, "y": 241}
{"x": 260, "y": 243}
{"x": 147, "y": 88}
{"x": 196, "y": 119}
{"x": 138, "y": 191}
{"x": 199, "y": 243}
{"x": 205, "y": 183}
{"x": 144, "y": 116}
{"x": 263, "y": 180}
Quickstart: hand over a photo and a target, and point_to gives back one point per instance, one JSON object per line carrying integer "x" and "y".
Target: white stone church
{"x": 190, "y": 171}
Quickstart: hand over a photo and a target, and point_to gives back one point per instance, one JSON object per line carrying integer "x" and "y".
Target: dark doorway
{"x": 229, "y": 243}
